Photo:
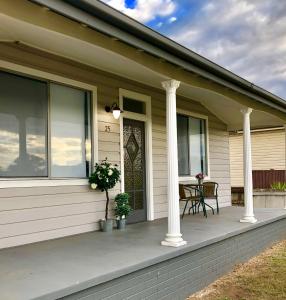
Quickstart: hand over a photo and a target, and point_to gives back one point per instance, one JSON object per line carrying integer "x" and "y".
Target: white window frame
{"x": 204, "y": 117}
{"x": 147, "y": 119}
{"x": 45, "y": 181}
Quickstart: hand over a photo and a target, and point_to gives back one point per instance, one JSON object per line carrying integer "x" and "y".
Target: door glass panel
{"x": 139, "y": 200}
{"x": 70, "y": 132}
{"x": 134, "y": 167}
{"x": 23, "y": 126}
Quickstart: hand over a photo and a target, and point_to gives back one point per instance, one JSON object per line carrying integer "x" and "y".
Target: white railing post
{"x": 247, "y": 168}
{"x": 173, "y": 237}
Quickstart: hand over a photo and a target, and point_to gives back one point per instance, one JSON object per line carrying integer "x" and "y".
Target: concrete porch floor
{"x": 53, "y": 269}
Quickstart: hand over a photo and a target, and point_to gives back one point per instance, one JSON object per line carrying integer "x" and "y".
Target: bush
{"x": 278, "y": 186}
{"x": 104, "y": 177}
{"x": 122, "y": 207}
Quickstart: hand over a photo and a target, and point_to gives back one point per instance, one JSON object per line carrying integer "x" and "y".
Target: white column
{"x": 285, "y": 164}
{"x": 247, "y": 168}
{"x": 174, "y": 236}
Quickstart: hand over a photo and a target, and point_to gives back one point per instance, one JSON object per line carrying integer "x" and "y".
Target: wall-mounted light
{"x": 114, "y": 109}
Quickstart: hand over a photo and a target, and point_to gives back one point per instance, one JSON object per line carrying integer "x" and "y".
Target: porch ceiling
{"x": 225, "y": 108}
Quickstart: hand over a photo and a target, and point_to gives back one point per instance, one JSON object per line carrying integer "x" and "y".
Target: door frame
{"x": 147, "y": 119}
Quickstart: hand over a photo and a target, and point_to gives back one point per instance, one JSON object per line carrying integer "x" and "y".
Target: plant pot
{"x": 121, "y": 224}
{"x": 106, "y": 225}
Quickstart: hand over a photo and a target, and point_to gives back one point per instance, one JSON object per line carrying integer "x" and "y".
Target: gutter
{"x": 260, "y": 130}
{"x": 109, "y": 21}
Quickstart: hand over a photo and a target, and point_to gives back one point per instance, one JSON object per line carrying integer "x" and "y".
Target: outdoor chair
{"x": 192, "y": 197}
{"x": 210, "y": 192}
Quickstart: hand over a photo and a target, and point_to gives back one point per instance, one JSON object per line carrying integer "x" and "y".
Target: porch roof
{"x": 56, "y": 268}
{"x": 102, "y": 45}
{"x": 116, "y": 24}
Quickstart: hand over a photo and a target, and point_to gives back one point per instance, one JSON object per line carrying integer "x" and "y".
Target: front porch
{"x": 132, "y": 263}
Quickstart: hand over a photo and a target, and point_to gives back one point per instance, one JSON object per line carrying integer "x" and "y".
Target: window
{"x": 192, "y": 151}
{"x": 44, "y": 129}
{"x": 133, "y": 105}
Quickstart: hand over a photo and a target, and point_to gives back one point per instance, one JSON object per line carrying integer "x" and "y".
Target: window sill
{"x": 191, "y": 179}
{"x": 31, "y": 182}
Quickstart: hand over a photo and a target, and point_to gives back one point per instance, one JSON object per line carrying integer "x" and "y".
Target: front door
{"x": 134, "y": 168}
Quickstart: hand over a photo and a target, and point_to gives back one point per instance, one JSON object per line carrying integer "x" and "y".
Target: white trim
{"x": 31, "y": 182}
{"x": 30, "y": 72}
{"x": 205, "y": 117}
{"x": 262, "y": 129}
{"x": 147, "y": 118}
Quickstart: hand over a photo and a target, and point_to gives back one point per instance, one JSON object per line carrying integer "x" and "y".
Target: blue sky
{"x": 247, "y": 37}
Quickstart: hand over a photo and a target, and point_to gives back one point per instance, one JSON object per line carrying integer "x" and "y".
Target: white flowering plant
{"x": 104, "y": 178}
{"x": 122, "y": 207}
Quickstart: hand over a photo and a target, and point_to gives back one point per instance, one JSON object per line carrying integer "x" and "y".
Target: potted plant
{"x": 104, "y": 178}
{"x": 122, "y": 209}
{"x": 200, "y": 177}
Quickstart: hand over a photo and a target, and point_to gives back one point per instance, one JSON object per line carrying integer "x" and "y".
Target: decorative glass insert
{"x": 192, "y": 151}
{"x": 134, "y": 162}
{"x": 132, "y": 147}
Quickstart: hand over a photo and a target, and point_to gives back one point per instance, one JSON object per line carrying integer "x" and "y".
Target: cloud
{"x": 247, "y": 37}
{"x": 159, "y": 24}
{"x": 144, "y": 10}
{"x": 172, "y": 20}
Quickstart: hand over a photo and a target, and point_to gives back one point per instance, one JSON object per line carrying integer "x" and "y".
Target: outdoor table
{"x": 199, "y": 188}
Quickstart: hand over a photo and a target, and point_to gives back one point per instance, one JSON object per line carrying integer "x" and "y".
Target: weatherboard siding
{"x": 34, "y": 214}
{"x": 268, "y": 152}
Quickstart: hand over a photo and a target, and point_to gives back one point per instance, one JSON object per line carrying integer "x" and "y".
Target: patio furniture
{"x": 193, "y": 196}
{"x": 210, "y": 192}
{"x": 199, "y": 188}
{"x": 206, "y": 190}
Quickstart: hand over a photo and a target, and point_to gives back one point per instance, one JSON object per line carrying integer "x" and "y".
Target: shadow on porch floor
{"x": 52, "y": 269}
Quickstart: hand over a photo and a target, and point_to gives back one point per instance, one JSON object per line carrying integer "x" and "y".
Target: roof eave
{"x": 132, "y": 32}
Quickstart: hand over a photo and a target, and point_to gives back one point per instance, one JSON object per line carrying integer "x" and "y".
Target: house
{"x": 268, "y": 165}
{"x": 62, "y": 63}
{"x": 264, "y": 155}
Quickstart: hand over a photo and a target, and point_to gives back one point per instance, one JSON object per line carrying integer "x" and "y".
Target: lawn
{"x": 261, "y": 278}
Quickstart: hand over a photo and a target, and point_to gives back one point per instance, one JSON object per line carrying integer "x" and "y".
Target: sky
{"x": 247, "y": 37}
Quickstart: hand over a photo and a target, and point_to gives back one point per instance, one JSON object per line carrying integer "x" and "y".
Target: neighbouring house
{"x": 268, "y": 153}
{"x": 268, "y": 165}
{"x": 62, "y": 63}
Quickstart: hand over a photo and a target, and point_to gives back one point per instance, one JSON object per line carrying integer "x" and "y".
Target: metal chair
{"x": 193, "y": 197}
{"x": 210, "y": 192}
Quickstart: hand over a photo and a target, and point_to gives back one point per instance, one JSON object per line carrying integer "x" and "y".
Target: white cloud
{"x": 172, "y": 20}
{"x": 144, "y": 10}
{"x": 246, "y": 36}
{"x": 159, "y": 24}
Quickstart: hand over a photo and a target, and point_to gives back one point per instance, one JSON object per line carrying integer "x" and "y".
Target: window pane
{"x": 70, "y": 132}
{"x": 183, "y": 145}
{"x": 197, "y": 145}
{"x": 23, "y": 126}
{"x": 133, "y": 105}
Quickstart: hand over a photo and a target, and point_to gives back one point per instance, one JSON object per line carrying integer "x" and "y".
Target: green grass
{"x": 262, "y": 278}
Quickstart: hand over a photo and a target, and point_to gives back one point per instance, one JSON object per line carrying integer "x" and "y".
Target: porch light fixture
{"x": 114, "y": 109}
